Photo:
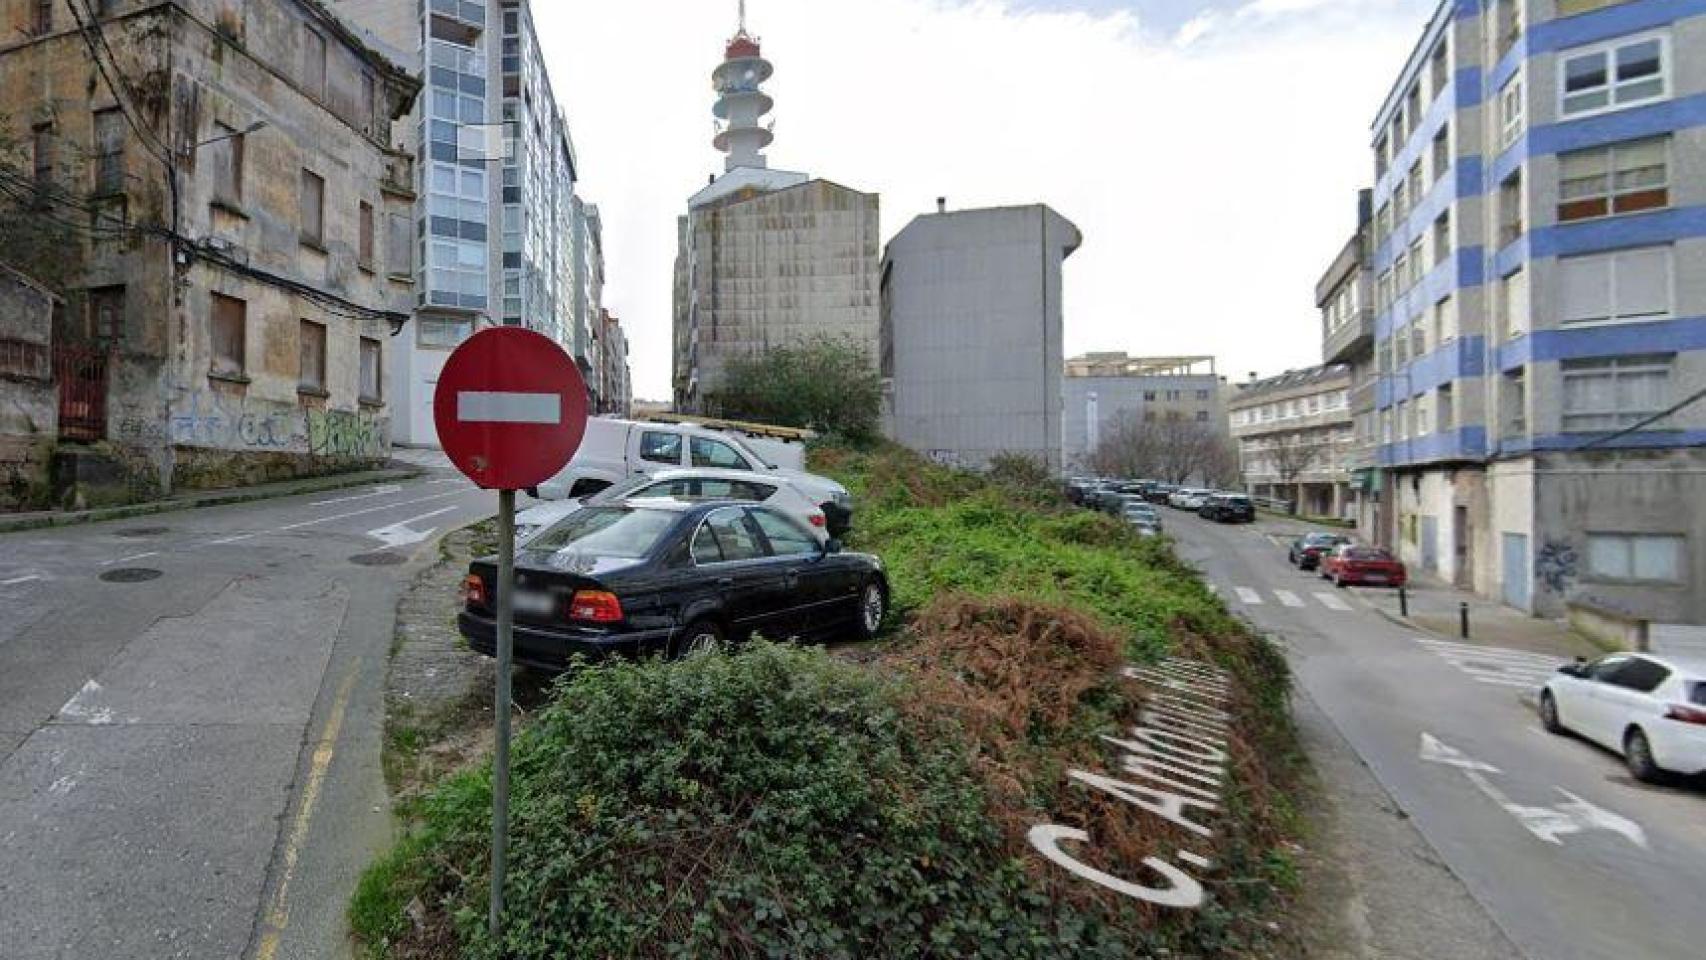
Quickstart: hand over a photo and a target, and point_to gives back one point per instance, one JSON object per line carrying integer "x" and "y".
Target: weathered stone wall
{"x": 29, "y": 409}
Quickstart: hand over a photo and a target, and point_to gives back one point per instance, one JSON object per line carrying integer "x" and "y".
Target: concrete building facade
{"x": 1104, "y": 389}
{"x": 1345, "y": 296}
{"x": 616, "y": 391}
{"x": 232, "y": 288}
{"x": 29, "y": 400}
{"x": 970, "y": 338}
{"x": 1296, "y": 439}
{"x": 765, "y": 258}
{"x": 1540, "y": 318}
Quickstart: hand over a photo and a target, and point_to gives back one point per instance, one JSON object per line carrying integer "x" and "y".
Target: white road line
{"x": 1332, "y": 601}
{"x": 1501, "y": 654}
{"x": 1509, "y": 682}
{"x": 449, "y": 480}
{"x": 375, "y": 492}
{"x": 1288, "y": 598}
{"x": 1501, "y": 669}
{"x": 338, "y": 516}
{"x": 17, "y": 580}
{"x": 134, "y": 556}
{"x": 1249, "y": 596}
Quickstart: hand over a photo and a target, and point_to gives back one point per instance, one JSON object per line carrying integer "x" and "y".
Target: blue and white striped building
{"x": 1539, "y": 262}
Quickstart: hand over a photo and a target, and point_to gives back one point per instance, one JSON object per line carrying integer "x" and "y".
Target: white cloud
{"x": 1212, "y": 172}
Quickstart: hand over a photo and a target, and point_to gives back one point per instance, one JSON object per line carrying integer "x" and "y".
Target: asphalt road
{"x": 1568, "y": 856}
{"x": 190, "y": 714}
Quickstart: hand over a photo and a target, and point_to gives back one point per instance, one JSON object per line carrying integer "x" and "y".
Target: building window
{"x": 1437, "y": 68}
{"x": 1513, "y": 402}
{"x": 364, "y": 248}
{"x": 1380, "y": 158}
{"x": 442, "y": 332}
{"x": 106, "y": 314}
{"x": 1415, "y": 183}
{"x": 1614, "y": 392}
{"x": 1621, "y": 178}
{"x": 1442, "y": 237}
{"x": 1510, "y": 111}
{"x": 226, "y": 154}
{"x": 1635, "y": 556}
{"x": 1418, "y": 339}
{"x": 1202, "y": 416}
{"x": 41, "y": 16}
{"x": 1447, "y": 411}
{"x": 371, "y": 382}
{"x": 230, "y": 336}
{"x": 312, "y": 209}
{"x": 1612, "y": 76}
{"x": 369, "y": 99}
{"x": 1202, "y": 394}
{"x": 1510, "y": 208}
{"x": 109, "y": 151}
{"x": 1416, "y": 261}
{"x": 311, "y": 368}
{"x": 44, "y": 153}
{"x": 1619, "y": 287}
{"x": 399, "y": 246}
{"x": 314, "y": 62}
{"x": 1442, "y": 151}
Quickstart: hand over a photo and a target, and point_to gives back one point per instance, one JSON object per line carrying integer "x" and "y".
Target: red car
{"x": 1363, "y": 565}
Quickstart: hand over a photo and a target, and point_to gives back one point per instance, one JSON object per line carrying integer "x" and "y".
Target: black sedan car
{"x": 1228, "y": 508}
{"x": 1306, "y": 551}
{"x": 672, "y": 577}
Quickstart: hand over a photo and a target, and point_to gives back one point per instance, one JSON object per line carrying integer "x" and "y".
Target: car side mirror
{"x": 832, "y": 545}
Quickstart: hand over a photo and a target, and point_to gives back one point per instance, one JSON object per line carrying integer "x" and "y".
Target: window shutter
{"x": 1586, "y": 288}
{"x": 1641, "y": 284}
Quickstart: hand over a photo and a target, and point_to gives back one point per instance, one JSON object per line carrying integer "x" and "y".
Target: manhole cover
{"x": 130, "y": 575}
{"x": 137, "y": 532}
{"x": 380, "y": 559}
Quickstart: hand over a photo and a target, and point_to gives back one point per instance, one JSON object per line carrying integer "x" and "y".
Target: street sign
{"x": 510, "y": 408}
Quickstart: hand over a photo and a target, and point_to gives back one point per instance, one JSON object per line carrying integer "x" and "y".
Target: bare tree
{"x": 1173, "y": 450}
{"x": 1293, "y": 453}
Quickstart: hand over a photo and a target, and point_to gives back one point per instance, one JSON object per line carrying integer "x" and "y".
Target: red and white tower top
{"x": 740, "y": 101}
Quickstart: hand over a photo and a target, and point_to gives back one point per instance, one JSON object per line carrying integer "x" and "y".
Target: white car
{"x": 687, "y": 485}
{"x": 1650, "y": 709}
{"x": 1187, "y": 499}
{"x": 612, "y": 451}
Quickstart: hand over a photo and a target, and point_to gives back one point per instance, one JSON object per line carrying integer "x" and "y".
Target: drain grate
{"x": 130, "y": 575}
{"x": 135, "y": 533}
{"x": 381, "y": 559}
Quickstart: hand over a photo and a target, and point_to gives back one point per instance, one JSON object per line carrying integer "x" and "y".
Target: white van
{"x": 614, "y": 450}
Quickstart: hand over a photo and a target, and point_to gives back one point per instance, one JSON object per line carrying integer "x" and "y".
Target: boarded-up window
{"x": 226, "y": 154}
{"x": 44, "y": 158}
{"x": 106, "y": 314}
{"x": 109, "y": 151}
{"x": 230, "y": 336}
{"x": 400, "y": 246}
{"x": 370, "y": 367}
{"x": 41, "y": 16}
{"x": 312, "y": 374}
{"x": 369, "y": 109}
{"x": 364, "y": 248}
{"x": 313, "y": 209}
{"x": 314, "y": 63}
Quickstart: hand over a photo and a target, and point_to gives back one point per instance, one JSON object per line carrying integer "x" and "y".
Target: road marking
{"x": 1510, "y": 682}
{"x": 80, "y": 708}
{"x": 339, "y": 516}
{"x": 449, "y": 480}
{"x": 1490, "y": 654}
{"x": 1550, "y": 824}
{"x": 17, "y": 580}
{"x": 132, "y": 557}
{"x": 278, "y": 912}
{"x": 401, "y": 534}
{"x": 1249, "y": 596}
{"x": 375, "y": 492}
{"x": 1288, "y": 598}
{"x": 1332, "y": 601}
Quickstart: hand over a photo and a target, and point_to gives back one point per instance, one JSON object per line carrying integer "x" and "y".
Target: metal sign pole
{"x": 501, "y": 708}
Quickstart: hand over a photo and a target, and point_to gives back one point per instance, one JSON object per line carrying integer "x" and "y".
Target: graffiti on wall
{"x": 1555, "y": 565}
{"x": 201, "y": 419}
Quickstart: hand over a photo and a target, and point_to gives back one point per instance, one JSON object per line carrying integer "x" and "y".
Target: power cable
{"x": 1632, "y": 428}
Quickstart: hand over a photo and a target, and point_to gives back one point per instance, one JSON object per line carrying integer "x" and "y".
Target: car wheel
{"x": 1549, "y": 713}
{"x": 873, "y": 606}
{"x": 701, "y": 637}
{"x": 1638, "y": 754}
{"x": 1339, "y": 582}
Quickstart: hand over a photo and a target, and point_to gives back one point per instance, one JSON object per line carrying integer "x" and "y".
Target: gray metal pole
{"x": 501, "y": 708}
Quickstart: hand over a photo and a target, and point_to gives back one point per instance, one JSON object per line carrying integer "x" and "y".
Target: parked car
{"x": 1352, "y": 564}
{"x": 1159, "y": 493}
{"x": 1188, "y": 498}
{"x": 614, "y": 450}
{"x": 1306, "y": 551}
{"x": 1228, "y": 508}
{"x": 695, "y": 486}
{"x": 1650, "y": 710}
{"x": 1142, "y": 515}
{"x": 672, "y": 577}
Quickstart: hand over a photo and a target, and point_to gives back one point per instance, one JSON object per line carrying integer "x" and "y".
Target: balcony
{"x": 1350, "y": 340}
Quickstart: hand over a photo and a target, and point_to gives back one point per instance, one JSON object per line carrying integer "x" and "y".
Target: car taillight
{"x": 595, "y": 606}
{"x": 1686, "y": 714}
{"x": 818, "y": 520}
{"x": 473, "y": 591}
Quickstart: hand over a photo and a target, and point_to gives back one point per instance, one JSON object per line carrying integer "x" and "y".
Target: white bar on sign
{"x": 475, "y": 406}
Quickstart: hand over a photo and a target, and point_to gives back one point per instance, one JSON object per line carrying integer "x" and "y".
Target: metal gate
{"x": 1513, "y": 562}
{"x": 81, "y": 373}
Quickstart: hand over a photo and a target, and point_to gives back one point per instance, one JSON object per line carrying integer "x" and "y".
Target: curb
{"x": 312, "y": 485}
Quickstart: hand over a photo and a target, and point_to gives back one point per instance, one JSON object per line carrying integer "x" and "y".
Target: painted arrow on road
{"x": 402, "y": 534}
{"x": 1550, "y": 824}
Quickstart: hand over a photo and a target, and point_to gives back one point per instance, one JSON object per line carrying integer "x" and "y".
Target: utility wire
{"x": 1632, "y": 428}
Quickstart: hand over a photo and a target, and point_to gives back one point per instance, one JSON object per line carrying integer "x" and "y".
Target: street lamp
{"x": 251, "y": 128}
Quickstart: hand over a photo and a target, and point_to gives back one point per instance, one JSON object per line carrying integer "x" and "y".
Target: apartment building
{"x": 225, "y": 219}
{"x": 502, "y": 235}
{"x": 1345, "y": 296}
{"x": 1540, "y": 327}
{"x": 616, "y": 391}
{"x": 1102, "y": 390}
{"x": 1296, "y": 439}
{"x": 970, "y": 336}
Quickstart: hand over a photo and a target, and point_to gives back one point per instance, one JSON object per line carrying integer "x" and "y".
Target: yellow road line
{"x": 278, "y": 912}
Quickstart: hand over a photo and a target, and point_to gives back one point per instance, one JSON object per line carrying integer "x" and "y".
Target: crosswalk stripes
{"x": 1288, "y": 598}
{"x": 1332, "y": 601}
{"x": 1495, "y": 666}
{"x": 1252, "y": 597}
{"x": 1248, "y": 596}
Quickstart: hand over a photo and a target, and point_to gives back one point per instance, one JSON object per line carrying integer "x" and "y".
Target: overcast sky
{"x": 1209, "y": 151}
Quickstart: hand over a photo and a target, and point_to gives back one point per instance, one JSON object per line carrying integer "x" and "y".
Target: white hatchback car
{"x": 698, "y": 484}
{"x": 1651, "y": 709}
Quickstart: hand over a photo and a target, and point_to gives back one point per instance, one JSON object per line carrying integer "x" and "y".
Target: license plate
{"x": 1376, "y": 578}
{"x": 534, "y": 603}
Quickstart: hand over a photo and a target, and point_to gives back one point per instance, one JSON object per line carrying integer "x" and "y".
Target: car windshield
{"x": 1367, "y": 553}
{"x": 1323, "y": 539}
{"x": 629, "y": 532}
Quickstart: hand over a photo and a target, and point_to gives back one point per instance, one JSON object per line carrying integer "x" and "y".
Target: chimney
{"x": 1253, "y": 377}
{"x": 710, "y": 179}
{"x": 941, "y": 204}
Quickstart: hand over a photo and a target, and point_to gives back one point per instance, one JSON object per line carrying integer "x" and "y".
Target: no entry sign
{"x": 510, "y": 408}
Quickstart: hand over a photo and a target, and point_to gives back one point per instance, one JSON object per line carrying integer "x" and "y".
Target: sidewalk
{"x": 195, "y": 499}
{"x": 1434, "y": 608}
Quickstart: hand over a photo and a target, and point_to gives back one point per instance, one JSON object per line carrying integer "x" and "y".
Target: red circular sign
{"x": 510, "y": 408}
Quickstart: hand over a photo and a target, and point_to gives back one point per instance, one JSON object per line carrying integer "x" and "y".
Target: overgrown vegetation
{"x": 824, "y": 384}
{"x": 792, "y": 802}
